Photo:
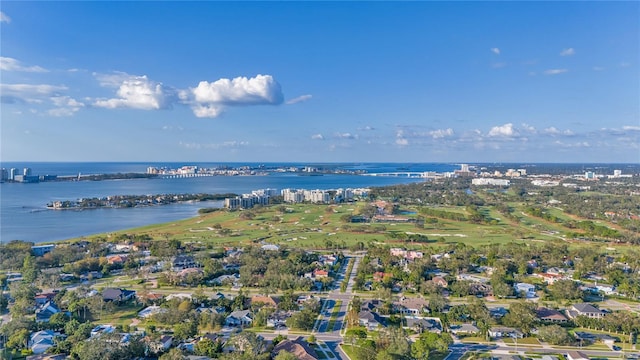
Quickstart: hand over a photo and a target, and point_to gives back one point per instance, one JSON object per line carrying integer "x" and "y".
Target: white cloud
{"x": 66, "y": 106}
{"x": 598, "y": 68}
{"x": 631, "y": 128}
{"x": 227, "y": 144}
{"x": 210, "y": 99}
{"x": 580, "y": 144}
{"x": 567, "y": 52}
{"x": 555, "y": 71}
{"x": 553, "y": 131}
{"x": 136, "y": 92}
{"x": 11, "y": 64}
{"x": 441, "y": 133}
{"x": 402, "y": 142}
{"x": 207, "y": 111}
{"x": 298, "y": 99}
{"x": 4, "y": 18}
{"x": 367, "y": 128}
{"x": 317, "y": 137}
{"x": 528, "y": 128}
{"x": 12, "y": 93}
{"x": 259, "y": 90}
{"x": 66, "y": 101}
{"x": 62, "y": 112}
{"x": 506, "y": 130}
{"x": 495, "y": 50}
{"x": 347, "y": 136}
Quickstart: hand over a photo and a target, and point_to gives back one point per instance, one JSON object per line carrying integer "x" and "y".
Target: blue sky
{"x": 320, "y": 82}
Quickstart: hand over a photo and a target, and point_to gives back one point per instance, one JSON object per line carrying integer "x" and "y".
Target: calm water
{"x": 23, "y": 213}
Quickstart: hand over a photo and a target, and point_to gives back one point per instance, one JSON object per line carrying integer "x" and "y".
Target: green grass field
{"x": 321, "y": 227}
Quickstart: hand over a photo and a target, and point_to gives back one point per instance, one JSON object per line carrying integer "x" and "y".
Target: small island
{"x": 128, "y": 201}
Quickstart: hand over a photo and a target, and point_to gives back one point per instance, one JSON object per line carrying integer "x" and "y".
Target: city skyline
{"x": 320, "y": 82}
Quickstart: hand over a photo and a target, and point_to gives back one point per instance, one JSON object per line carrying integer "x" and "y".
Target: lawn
{"x": 321, "y": 227}
{"x": 123, "y": 314}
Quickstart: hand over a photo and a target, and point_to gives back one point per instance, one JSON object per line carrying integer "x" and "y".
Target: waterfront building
{"x": 293, "y": 196}
{"x": 487, "y": 181}
{"x": 5, "y": 174}
{"x": 42, "y": 249}
{"x": 12, "y": 174}
{"x": 26, "y": 171}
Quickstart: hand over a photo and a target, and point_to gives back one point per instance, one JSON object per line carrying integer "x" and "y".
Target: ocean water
{"x": 24, "y": 216}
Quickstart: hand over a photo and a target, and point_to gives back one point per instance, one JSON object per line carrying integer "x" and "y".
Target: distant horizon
{"x": 186, "y": 162}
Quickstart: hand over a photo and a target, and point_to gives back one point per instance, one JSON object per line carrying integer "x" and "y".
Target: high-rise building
{"x": 26, "y": 171}
{"x": 12, "y": 174}
{"x": 5, "y": 174}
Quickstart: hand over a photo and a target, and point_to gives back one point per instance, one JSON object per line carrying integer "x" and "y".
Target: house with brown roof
{"x": 266, "y": 300}
{"x": 550, "y": 315}
{"x": 411, "y": 306}
{"x": 440, "y": 281}
{"x": 298, "y": 347}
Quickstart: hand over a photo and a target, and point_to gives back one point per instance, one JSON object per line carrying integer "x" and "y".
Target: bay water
{"x": 24, "y": 215}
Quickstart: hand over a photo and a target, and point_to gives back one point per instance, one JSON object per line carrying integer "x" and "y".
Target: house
{"x": 182, "y": 262}
{"x": 150, "y": 311}
{"x": 40, "y": 341}
{"x": 320, "y": 273}
{"x": 278, "y": 319}
{"x": 102, "y": 329}
{"x": 420, "y": 325}
{"x": 576, "y": 355}
{"x": 605, "y": 289}
{"x": 117, "y": 295}
{"x": 44, "y": 298}
{"x": 239, "y": 318}
{"x": 166, "y": 341}
{"x": 440, "y": 281}
{"x": 46, "y": 311}
{"x": 298, "y": 347}
{"x": 526, "y": 290}
{"x": 464, "y": 329}
{"x": 189, "y": 271}
{"x": 40, "y": 250}
{"x": 550, "y": 278}
{"x": 550, "y": 315}
{"x": 585, "y": 309}
{"x": 411, "y": 306}
{"x": 150, "y": 297}
{"x": 371, "y": 305}
{"x": 117, "y": 259}
{"x": 370, "y": 320}
{"x": 502, "y": 331}
{"x": 266, "y": 300}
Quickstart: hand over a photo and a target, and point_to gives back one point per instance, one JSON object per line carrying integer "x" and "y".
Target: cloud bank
{"x": 11, "y": 64}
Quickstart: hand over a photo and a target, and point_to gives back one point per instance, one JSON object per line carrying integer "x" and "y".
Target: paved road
{"x": 332, "y": 337}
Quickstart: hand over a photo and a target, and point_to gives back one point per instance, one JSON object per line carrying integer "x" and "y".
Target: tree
{"x": 185, "y": 330}
{"x": 29, "y": 270}
{"x": 429, "y": 341}
{"x": 565, "y": 290}
{"x": 437, "y": 302}
{"x": 19, "y": 339}
{"x": 522, "y": 315}
{"x": 208, "y": 347}
{"x": 554, "y": 335}
{"x": 173, "y": 354}
{"x": 284, "y": 355}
